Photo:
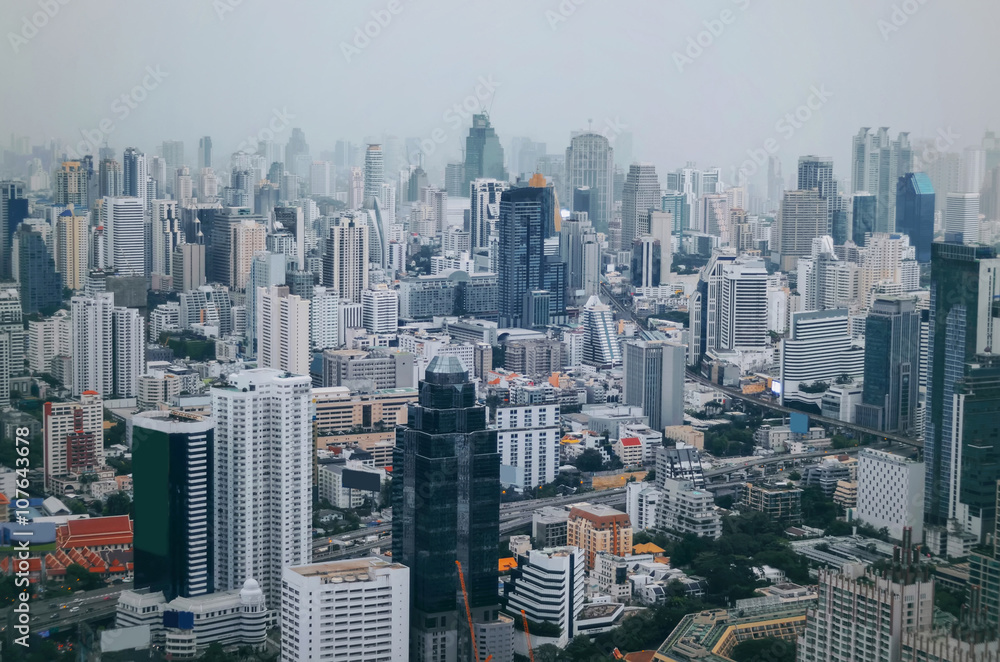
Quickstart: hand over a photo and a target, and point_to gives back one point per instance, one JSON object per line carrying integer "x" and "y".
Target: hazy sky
{"x": 226, "y": 65}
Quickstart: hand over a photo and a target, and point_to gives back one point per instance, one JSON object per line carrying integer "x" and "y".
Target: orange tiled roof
{"x": 631, "y": 441}
{"x": 95, "y": 532}
{"x": 507, "y": 564}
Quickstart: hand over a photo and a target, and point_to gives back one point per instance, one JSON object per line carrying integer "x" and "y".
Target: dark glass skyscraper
{"x": 36, "y": 272}
{"x": 446, "y": 508}
{"x": 173, "y": 497}
{"x": 13, "y": 210}
{"x": 864, "y": 210}
{"x": 915, "y": 212}
{"x": 527, "y": 220}
{"x": 892, "y": 365}
{"x": 483, "y": 153}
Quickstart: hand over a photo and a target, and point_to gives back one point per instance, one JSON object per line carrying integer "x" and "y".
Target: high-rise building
{"x": 135, "y": 173}
{"x": 549, "y": 586}
{"x": 247, "y": 238}
{"x": 526, "y": 266}
{"x": 35, "y": 272}
{"x": 679, "y": 207}
{"x": 863, "y": 216}
{"x": 345, "y": 263}
{"x": 71, "y": 248}
{"x": 581, "y": 252}
{"x": 892, "y": 364}
{"x": 73, "y": 437}
{"x": 742, "y": 306}
{"x": 204, "y": 152}
{"x": 324, "y": 318}
{"x": 446, "y": 508}
{"x": 454, "y": 180}
{"x": 13, "y": 210}
{"x": 816, "y": 172}
{"x": 647, "y": 256}
{"x": 598, "y": 528}
{"x": 891, "y": 492}
{"x": 263, "y": 477}
{"x": 108, "y": 346}
{"x": 641, "y": 193}
{"x": 484, "y": 208}
{"x": 528, "y": 440}
{"x": 961, "y": 217}
{"x": 483, "y": 153}
{"x": 172, "y": 459}
{"x": 374, "y": 172}
{"x": 165, "y": 235}
{"x": 590, "y": 161}
{"x": 963, "y": 288}
{"x": 775, "y": 183}
{"x": 915, "y": 212}
{"x": 380, "y": 310}
{"x": 877, "y": 163}
{"x": 124, "y": 225}
{"x": 343, "y": 611}
{"x": 818, "y": 349}
{"x": 654, "y": 380}
{"x": 297, "y": 153}
{"x": 825, "y": 281}
{"x": 71, "y": 185}
{"x": 282, "y": 330}
{"x": 600, "y": 344}
{"x": 804, "y": 216}
{"x": 110, "y": 179}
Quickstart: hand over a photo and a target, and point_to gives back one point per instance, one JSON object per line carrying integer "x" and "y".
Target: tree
{"x": 117, "y": 503}
{"x": 81, "y": 579}
{"x": 770, "y": 649}
{"x": 650, "y": 476}
{"x": 589, "y": 460}
{"x": 795, "y": 475}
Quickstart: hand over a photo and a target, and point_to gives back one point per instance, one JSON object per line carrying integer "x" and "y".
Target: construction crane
{"x": 527, "y": 635}
{"x": 468, "y": 614}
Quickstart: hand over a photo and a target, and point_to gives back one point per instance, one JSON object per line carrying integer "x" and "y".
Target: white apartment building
{"x": 107, "y": 346}
{"x": 743, "y": 305}
{"x": 380, "y": 310}
{"x": 263, "y": 477}
{"x": 549, "y": 586}
{"x": 324, "y": 314}
{"x": 47, "y": 339}
{"x": 165, "y": 317}
{"x": 528, "y": 441}
{"x": 336, "y": 488}
{"x": 891, "y": 492}
{"x": 684, "y": 509}
{"x": 123, "y": 219}
{"x": 818, "y": 349}
{"x": 283, "y": 327}
{"x": 641, "y": 500}
{"x": 345, "y": 611}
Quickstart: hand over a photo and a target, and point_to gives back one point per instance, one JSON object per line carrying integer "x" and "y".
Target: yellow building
{"x": 597, "y": 528}
{"x": 339, "y": 409}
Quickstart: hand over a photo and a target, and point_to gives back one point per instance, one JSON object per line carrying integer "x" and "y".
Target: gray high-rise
{"x": 590, "y": 161}
{"x": 640, "y": 194}
{"x": 483, "y": 153}
{"x": 892, "y": 366}
{"x": 654, "y": 380}
{"x": 877, "y": 163}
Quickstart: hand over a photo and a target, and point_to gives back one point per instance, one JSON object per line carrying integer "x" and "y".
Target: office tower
{"x": 890, "y": 492}
{"x": 108, "y": 345}
{"x": 282, "y": 330}
{"x": 641, "y": 193}
{"x": 816, "y": 172}
{"x": 961, "y": 217}
{"x": 742, "y": 306}
{"x": 263, "y": 477}
{"x": 183, "y": 186}
{"x": 660, "y": 224}
{"x": 135, "y": 173}
{"x": 483, "y": 153}
{"x": 173, "y": 153}
{"x": 296, "y": 153}
{"x": 446, "y": 508}
{"x": 775, "y": 183}
{"x": 581, "y": 252}
{"x": 677, "y": 205}
{"x": 804, "y": 216}
{"x": 158, "y": 173}
{"x": 646, "y": 257}
{"x": 527, "y": 220}
{"x": 600, "y": 345}
{"x": 524, "y": 153}
{"x": 13, "y": 210}
{"x": 35, "y": 271}
{"x": 73, "y": 437}
{"x": 71, "y": 248}
{"x": 703, "y": 304}
{"x": 325, "y": 605}
{"x": 204, "y": 152}
{"x": 713, "y": 215}
{"x": 528, "y": 442}
{"x": 863, "y": 614}
{"x": 219, "y": 250}
{"x": 484, "y": 208}
{"x": 324, "y": 315}
{"x": 915, "y": 212}
{"x": 825, "y": 281}
{"x": 71, "y": 185}
{"x": 292, "y": 220}
{"x": 380, "y": 310}
{"x": 590, "y": 161}
{"x": 454, "y": 180}
{"x": 319, "y": 178}
{"x": 248, "y": 238}
{"x": 892, "y": 362}
{"x": 345, "y": 264}
{"x": 110, "y": 178}
{"x": 374, "y": 169}
{"x": 11, "y": 342}
{"x": 165, "y": 235}
{"x": 877, "y": 163}
{"x": 818, "y": 349}
{"x": 973, "y": 170}
{"x": 654, "y": 380}
{"x": 864, "y": 210}
{"x": 266, "y": 270}
{"x": 125, "y": 235}
{"x": 549, "y": 586}
{"x": 187, "y": 266}
{"x": 172, "y": 459}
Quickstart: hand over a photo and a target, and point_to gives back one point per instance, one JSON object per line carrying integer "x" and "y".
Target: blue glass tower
{"x": 915, "y": 212}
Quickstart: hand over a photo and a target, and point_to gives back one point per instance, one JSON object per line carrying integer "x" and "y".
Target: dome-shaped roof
{"x": 251, "y": 591}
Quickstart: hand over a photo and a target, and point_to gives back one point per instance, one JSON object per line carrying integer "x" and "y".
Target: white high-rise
{"x": 319, "y": 178}
{"x": 961, "y": 216}
{"x": 125, "y": 234}
{"x": 165, "y": 235}
{"x": 324, "y": 313}
{"x": 374, "y": 167}
{"x": 380, "y": 310}
{"x": 282, "y": 330}
{"x": 345, "y": 264}
{"x": 528, "y": 441}
{"x": 600, "y": 345}
{"x": 819, "y": 348}
{"x": 11, "y": 341}
{"x": 891, "y": 492}
{"x": 263, "y": 478}
{"x": 743, "y": 305}
{"x": 484, "y": 205}
{"x": 345, "y": 611}
{"x": 641, "y": 193}
{"x": 108, "y": 346}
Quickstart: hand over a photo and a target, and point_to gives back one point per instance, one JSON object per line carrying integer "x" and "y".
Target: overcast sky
{"x": 226, "y": 65}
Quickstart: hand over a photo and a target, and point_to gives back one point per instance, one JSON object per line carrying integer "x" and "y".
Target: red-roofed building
{"x": 99, "y": 534}
{"x": 630, "y": 451}
{"x": 4, "y": 508}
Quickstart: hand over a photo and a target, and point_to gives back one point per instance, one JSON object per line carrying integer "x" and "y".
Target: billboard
{"x": 367, "y": 481}
{"x": 799, "y": 423}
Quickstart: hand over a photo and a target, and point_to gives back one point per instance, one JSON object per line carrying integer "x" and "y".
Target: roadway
{"x": 48, "y": 613}
{"x": 733, "y": 468}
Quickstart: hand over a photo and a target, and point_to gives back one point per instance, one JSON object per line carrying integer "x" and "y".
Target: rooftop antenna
{"x": 590, "y": 124}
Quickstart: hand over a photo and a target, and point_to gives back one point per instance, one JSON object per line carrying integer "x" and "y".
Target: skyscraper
{"x": 374, "y": 169}
{"x": 172, "y": 458}
{"x": 345, "y": 264}
{"x": 13, "y": 210}
{"x": 590, "y": 161}
{"x": 961, "y": 217}
{"x": 804, "y": 216}
{"x": 71, "y": 185}
{"x": 483, "y": 153}
{"x": 641, "y": 193}
{"x": 877, "y": 163}
{"x": 11, "y": 342}
{"x": 963, "y": 288}
{"x": 71, "y": 248}
{"x": 654, "y": 380}
{"x": 864, "y": 209}
{"x": 600, "y": 341}
{"x": 446, "y": 508}
{"x": 282, "y": 330}
{"x": 742, "y": 305}
{"x": 297, "y": 153}
{"x": 124, "y": 225}
{"x": 484, "y": 207}
{"x": 527, "y": 220}
{"x": 892, "y": 364}
{"x": 36, "y": 272}
{"x": 110, "y": 179}
{"x": 266, "y": 270}
{"x": 582, "y": 254}
{"x": 204, "y": 152}
{"x": 73, "y": 437}
{"x": 915, "y": 212}
{"x": 263, "y": 477}
{"x": 135, "y": 172}
{"x": 108, "y": 346}
{"x": 816, "y": 172}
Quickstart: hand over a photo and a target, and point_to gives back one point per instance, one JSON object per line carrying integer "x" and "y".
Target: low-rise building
{"x": 348, "y": 485}
{"x": 684, "y": 509}
{"x": 548, "y": 526}
{"x": 641, "y": 500}
{"x": 548, "y": 585}
{"x": 598, "y": 528}
{"x": 630, "y": 450}
{"x": 846, "y": 494}
{"x": 781, "y": 502}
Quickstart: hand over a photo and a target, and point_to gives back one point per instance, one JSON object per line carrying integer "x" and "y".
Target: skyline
{"x": 756, "y": 54}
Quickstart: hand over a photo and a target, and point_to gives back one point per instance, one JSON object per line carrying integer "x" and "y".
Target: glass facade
{"x": 915, "y": 212}
{"x": 483, "y": 153}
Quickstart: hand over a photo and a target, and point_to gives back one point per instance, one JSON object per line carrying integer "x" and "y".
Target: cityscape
{"x": 553, "y": 331}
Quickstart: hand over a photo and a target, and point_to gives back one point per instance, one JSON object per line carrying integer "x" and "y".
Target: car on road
{"x": 107, "y": 597}
{"x": 63, "y": 606}
{"x": 54, "y": 616}
{"x": 75, "y": 609}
